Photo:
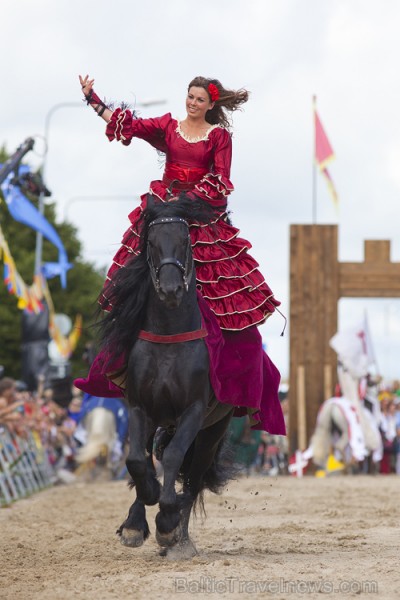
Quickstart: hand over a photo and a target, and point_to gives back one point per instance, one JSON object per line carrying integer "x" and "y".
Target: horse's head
{"x": 168, "y": 246}
{"x": 169, "y": 255}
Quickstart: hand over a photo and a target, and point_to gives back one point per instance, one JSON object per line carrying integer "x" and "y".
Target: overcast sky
{"x": 283, "y": 51}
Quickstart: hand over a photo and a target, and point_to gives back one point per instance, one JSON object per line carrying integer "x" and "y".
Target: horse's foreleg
{"x": 185, "y": 548}
{"x": 168, "y": 518}
{"x": 135, "y": 530}
{"x": 203, "y": 470}
{"x": 139, "y": 461}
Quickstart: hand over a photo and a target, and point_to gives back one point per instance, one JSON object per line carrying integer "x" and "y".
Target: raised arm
{"x": 122, "y": 123}
{"x": 92, "y": 98}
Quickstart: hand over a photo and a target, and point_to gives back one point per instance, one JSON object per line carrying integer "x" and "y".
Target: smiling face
{"x": 198, "y": 103}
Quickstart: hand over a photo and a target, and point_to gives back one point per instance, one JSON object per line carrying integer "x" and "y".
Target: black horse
{"x": 156, "y": 321}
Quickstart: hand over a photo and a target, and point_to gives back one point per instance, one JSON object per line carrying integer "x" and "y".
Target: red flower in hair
{"x": 213, "y": 91}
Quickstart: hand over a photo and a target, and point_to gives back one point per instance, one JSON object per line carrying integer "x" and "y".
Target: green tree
{"x": 84, "y": 282}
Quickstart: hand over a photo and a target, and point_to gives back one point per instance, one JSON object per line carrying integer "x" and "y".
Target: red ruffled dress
{"x": 236, "y": 296}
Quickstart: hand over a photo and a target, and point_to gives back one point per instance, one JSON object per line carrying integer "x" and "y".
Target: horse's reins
{"x": 186, "y": 276}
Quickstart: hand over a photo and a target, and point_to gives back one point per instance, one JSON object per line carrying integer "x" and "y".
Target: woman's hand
{"x": 86, "y": 84}
{"x": 92, "y": 98}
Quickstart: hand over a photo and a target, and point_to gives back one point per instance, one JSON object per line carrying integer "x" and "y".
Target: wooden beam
{"x": 376, "y": 277}
{"x": 377, "y": 251}
{"x": 358, "y": 280}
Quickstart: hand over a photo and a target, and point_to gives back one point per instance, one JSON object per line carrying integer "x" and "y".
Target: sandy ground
{"x": 282, "y": 538}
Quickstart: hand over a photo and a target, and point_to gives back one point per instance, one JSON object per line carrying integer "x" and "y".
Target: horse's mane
{"x": 128, "y": 289}
{"x": 187, "y": 208}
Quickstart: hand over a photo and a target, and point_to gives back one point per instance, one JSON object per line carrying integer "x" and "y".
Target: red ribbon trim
{"x": 172, "y": 339}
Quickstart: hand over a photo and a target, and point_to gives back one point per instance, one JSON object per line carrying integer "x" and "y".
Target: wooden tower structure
{"x": 317, "y": 282}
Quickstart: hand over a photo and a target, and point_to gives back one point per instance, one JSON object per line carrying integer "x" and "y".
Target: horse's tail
{"x": 221, "y": 471}
{"x": 321, "y": 438}
{"x": 101, "y": 430}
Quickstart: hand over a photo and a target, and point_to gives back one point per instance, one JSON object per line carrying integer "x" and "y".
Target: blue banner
{"x": 23, "y": 211}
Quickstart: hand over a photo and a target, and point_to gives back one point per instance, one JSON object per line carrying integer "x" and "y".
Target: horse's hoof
{"x": 182, "y": 551}
{"x": 133, "y": 538}
{"x": 167, "y": 540}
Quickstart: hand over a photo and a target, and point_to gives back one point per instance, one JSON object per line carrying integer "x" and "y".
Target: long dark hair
{"x": 228, "y": 101}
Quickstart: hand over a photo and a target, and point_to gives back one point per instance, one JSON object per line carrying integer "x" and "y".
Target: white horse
{"x": 99, "y": 425}
{"x": 345, "y": 426}
{"x": 101, "y": 451}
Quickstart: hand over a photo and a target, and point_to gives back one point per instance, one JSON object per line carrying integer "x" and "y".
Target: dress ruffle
{"x": 241, "y": 374}
{"x": 227, "y": 275}
{"x": 120, "y": 127}
{"x": 214, "y": 188}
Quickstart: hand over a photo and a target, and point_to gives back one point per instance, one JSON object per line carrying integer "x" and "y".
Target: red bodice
{"x": 203, "y": 165}
{"x": 182, "y": 178}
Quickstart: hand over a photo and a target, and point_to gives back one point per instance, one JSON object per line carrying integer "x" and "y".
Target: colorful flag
{"x": 23, "y": 211}
{"x": 324, "y": 154}
{"x": 29, "y": 297}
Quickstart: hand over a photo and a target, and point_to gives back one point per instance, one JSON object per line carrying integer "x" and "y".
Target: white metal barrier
{"x": 24, "y": 466}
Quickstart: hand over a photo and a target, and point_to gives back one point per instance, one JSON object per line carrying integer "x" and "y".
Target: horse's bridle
{"x": 185, "y": 269}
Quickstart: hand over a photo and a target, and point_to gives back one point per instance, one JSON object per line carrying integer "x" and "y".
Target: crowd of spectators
{"x": 24, "y": 412}
{"x": 389, "y": 400}
{"x": 258, "y": 452}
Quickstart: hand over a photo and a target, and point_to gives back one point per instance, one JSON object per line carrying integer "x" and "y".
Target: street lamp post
{"x": 39, "y": 236}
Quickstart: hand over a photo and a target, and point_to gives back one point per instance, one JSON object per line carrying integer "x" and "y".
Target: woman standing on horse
{"x": 234, "y": 297}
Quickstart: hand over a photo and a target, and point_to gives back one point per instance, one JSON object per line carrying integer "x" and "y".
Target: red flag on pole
{"x": 324, "y": 154}
{"x": 323, "y": 150}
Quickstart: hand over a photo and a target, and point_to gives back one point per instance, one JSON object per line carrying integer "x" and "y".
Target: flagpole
{"x": 370, "y": 350}
{"x": 314, "y": 171}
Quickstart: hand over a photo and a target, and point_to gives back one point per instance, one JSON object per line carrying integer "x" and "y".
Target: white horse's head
{"x": 350, "y": 346}
{"x": 353, "y": 361}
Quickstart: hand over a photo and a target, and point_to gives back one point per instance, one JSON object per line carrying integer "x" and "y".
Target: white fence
{"x": 24, "y": 467}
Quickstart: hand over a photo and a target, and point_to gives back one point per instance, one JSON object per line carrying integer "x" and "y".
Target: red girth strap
{"x": 172, "y": 339}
